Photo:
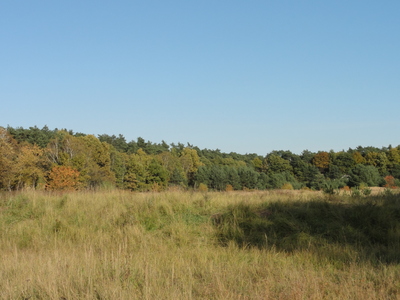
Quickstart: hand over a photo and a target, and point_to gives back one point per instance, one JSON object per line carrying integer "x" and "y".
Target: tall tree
{"x": 30, "y": 167}
{"x": 190, "y": 162}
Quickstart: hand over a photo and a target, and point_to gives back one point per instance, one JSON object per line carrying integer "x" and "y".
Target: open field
{"x": 192, "y": 245}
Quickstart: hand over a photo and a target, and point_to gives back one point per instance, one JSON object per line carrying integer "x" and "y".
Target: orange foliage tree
{"x": 63, "y": 178}
{"x": 390, "y": 182}
{"x": 321, "y": 160}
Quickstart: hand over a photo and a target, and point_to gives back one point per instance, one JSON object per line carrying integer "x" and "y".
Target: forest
{"x": 45, "y": 159}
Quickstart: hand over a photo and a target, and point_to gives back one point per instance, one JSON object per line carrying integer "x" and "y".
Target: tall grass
{"x": 188, "y": 245}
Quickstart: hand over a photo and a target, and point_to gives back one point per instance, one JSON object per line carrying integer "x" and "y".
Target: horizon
{"x": 187, "y": 144}
{"x": 239, "y": 77}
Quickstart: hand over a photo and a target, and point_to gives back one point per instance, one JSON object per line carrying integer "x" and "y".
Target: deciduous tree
{"x": 63, "y": 178}
{"x": 321, "y": 160}
{"x": 30, "y": 167}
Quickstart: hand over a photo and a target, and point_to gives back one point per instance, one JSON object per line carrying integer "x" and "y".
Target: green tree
{"x": 177, "y": 177}
{"x": 233, "y": 178}
{"x": 157, "y": 174}
{"x": 276, "y": 164}
{"x": 344, "y": 161}
{"x": 33, "y": 135}
{"x": 145, "y": 172}
{"x": 218, "y": 178}
{"x": 202, "y": 175}
{"x": 248, "y": 177}
{"x": 262, "y": 181}
{"x": 172, "y": 163}
{"x": 118, "y": 142}
{"x": 277, "y": 180}
{"x": 307, "y": 156}
{"x": 364, "y": 174}
{"x": 118, "y": 161}
{"x": 311, "y": 176}
{"x": 334, "y": 172}
{"x": 136, "y": 173}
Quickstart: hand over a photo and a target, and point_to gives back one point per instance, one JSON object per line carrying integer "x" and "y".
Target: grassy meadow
{"x": 199, "y": 245}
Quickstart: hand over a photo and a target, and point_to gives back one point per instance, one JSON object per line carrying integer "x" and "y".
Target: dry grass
{"x": 119, "y": 245}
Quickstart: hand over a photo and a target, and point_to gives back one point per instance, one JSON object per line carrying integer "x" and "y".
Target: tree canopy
{"x": 61, "y": 159}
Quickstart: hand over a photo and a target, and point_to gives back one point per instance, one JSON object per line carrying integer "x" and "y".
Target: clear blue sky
{"x": 240, "y": 76}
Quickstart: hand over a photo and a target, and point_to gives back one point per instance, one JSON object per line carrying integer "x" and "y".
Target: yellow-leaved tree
{"x": 358, "y": 158}
{"x": 29, "y": 167}
{"x": 190, "y": 162}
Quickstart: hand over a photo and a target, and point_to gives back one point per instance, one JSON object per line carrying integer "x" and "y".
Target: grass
{"x": 188, "y": 245}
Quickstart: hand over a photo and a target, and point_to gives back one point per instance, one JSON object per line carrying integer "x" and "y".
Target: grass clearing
{"x": 192, "y": 245}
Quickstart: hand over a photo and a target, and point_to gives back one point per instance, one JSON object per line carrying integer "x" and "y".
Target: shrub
{"x": 229, "y": 188}
{"x": 202, "y": 187}
{"x": 329, "y": 189}
{"x": 390, "y": 182}
{"x": 366, "y": 191}
{"x": 355, "y": 192}
{"x": 346, "y": 188}
{"x": 287, "y": 186}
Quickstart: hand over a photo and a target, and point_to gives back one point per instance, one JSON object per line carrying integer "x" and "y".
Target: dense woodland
{"x": 63, "y": 160}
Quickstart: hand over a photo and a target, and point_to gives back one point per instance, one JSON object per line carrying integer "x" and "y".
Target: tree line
{"x": 63, "y": 160}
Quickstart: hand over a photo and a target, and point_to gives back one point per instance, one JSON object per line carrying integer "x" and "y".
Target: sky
{"x": 239, "y": 76}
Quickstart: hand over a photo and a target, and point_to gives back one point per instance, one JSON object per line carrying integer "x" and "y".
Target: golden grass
{"x": 121, "y": 245}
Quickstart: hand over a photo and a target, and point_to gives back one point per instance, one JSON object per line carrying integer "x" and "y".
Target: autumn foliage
{"x": 62, "y": 160}
{"x": 321, "y": 160}
{"x": 229, "y": 188}
{"x": 63, "y": 178}
{"x": 390, "y": 182}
